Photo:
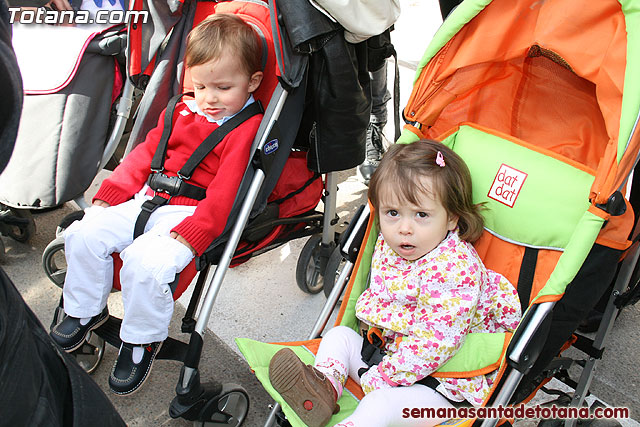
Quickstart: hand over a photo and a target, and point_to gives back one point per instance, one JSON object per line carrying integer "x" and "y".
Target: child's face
{"x": 222, "y": 86}
{"x": 411, "y": 230}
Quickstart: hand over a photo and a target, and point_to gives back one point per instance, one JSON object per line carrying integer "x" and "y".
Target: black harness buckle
{"x": 161, "y": 183}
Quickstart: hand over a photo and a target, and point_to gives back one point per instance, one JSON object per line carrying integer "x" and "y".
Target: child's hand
{"x": 101, "y": 203}
{"x": 182, "y": 240}
{"x": 372, "y": 380}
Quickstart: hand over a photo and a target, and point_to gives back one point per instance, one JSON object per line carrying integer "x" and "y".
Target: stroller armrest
{"x": 352, "y": 237}
{"x": 530, "y": 336}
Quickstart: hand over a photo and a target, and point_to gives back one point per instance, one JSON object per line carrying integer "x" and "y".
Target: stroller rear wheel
{"x": 311, "y": 263}
{"x": 17, "y": 223}
{"x": 54, "y": 262}
{"x": 230, "y": 408}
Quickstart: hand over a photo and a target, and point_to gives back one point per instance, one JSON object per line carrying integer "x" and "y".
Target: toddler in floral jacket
{"x": 428, "y": 290}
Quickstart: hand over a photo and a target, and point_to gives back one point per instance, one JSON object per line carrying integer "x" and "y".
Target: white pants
{"x": 339, "y": 356}
{"x": 150, "y": 263}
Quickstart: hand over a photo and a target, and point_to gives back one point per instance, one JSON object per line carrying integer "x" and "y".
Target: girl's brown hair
{"x": 404, "y": 164}
{"x": 220, "y": 33}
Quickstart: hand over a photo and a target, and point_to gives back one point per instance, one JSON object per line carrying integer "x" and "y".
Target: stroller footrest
{"x": 172, "y": 349}
{"x": 110, "y": 331}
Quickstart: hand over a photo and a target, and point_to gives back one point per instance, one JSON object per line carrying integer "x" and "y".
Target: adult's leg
{"x": 379, "y": 95}
{"x": 392, "y": 407}
{"x": 150, "y": 263}
{"x": 39, "y": 383}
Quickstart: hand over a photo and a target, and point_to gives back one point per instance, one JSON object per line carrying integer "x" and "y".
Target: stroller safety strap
{"x": 177, "y": 185}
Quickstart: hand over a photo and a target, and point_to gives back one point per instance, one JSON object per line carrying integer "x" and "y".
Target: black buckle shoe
{"x": 70, "y": 334}
{"x": 127, "y": 376}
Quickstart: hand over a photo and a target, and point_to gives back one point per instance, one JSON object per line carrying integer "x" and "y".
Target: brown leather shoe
{"x": 309, "y": 393}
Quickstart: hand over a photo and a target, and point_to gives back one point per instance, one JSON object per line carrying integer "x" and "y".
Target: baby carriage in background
{"x": 76, "y": 106}
{"x": 550, "y": 137}
{"x": 279, "y": 193}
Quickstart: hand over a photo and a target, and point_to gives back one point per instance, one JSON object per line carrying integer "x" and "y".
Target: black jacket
{"x": 338, "y": 100}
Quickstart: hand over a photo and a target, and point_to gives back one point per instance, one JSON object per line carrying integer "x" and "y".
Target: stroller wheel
{"x": 68, "y": 220}
{"x": 334, "y": 266}
{"x": 90, "y": 354}
{"x": 20, "y": 224}
{"x": 54, "y": 262}
{"x": 309, "y": 268}
{"x": 230, "y": 408}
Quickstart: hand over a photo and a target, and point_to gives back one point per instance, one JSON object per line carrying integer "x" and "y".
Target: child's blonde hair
{"x": 404, "y": 164}
{"x": 220, "y": 33}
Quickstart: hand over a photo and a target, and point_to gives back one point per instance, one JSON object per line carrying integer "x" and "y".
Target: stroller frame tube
{"x": 123, "y": 112}
{"x": 215, "y": 280}
{"x": 325, "y": 314}
{"x": 332, "y": 299}
{"x": 330, "y": 202}
{"x": 513, "y": 379}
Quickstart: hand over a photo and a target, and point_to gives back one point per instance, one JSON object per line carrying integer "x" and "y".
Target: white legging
{"x": 339, "y": 356}
{"x": 149, "y": 264}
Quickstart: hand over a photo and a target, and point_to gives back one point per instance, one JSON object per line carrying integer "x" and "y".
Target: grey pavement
{"x": 260, "y": 300}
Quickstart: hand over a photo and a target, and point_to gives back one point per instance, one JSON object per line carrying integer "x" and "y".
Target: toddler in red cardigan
{"x": 223, "y": 55}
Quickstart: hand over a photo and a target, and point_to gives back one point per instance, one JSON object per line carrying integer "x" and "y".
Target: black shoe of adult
{"x": 374, "y": 150}
{"x": 127, "y": 376}
{"x": 70, "y": 333}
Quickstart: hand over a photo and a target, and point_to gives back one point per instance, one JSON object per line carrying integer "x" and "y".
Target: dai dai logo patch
{"x": 507, "y": 185}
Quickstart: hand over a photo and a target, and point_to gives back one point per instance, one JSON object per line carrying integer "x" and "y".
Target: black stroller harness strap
{"x": 177, "y": 185}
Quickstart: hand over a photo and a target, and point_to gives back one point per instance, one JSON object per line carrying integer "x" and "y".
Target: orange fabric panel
{"x": 533, "y": 99}
{"x": 567, "y": 100}
{"x": 615, "y": 234}
{"x": 506, "y": 258}
{"x": 506, "y": 30}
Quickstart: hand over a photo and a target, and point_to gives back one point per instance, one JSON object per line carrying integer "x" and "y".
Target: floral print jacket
{"x": 426, "y": 307}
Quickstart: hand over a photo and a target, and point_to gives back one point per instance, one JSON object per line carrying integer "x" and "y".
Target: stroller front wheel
{"x": 54, "y": 262}
{"x": 309, "y": 270}
{"x": 228, "y": 409}
{"x": 90, "y": 354}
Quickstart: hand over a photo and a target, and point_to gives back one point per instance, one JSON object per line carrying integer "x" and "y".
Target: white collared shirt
{"x": 191, "y": 105}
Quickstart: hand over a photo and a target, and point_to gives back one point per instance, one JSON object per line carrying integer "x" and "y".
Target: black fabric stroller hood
{"x": 338, "y": 89}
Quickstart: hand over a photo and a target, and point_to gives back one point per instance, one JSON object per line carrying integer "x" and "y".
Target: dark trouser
{"x": 379, "y": 95}
{"x": 40, "y": 385}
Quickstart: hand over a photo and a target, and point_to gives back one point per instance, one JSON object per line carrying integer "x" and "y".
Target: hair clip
{"x": 440, "y": 160}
